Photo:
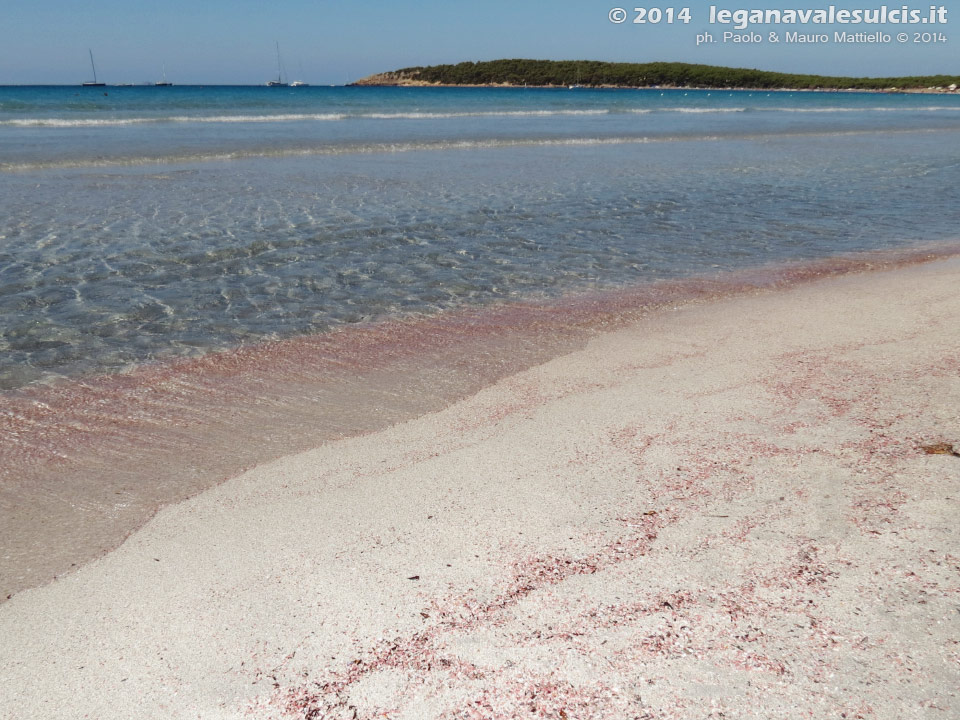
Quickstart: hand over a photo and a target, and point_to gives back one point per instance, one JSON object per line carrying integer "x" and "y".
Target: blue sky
{"x": 334, "y": 41}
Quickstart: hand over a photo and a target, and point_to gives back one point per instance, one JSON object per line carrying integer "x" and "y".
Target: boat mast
{"x": 279, "y": 75}
{"x": 92, "y": 65}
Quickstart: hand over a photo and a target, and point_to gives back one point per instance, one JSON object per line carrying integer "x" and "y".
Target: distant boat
{"x": 94, "y": 83}
{"x": 279, "y": 81}
{"x": 163, "y": 83}
{"x": 300, "y": 83}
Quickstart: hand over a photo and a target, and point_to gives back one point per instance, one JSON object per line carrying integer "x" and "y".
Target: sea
{"x": 142, "y": 223}
{"x": 193, "y": 279}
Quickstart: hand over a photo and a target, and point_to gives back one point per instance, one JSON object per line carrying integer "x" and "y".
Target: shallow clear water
{"x": 153, "y": 222}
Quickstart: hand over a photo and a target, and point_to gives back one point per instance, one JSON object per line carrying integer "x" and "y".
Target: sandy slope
{"x": 722, "y": 511}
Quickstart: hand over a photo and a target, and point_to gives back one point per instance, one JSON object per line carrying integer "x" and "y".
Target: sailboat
{"x": 93, "y": 83}
{"x": 163, "y": 83}
{"x": 279, "y": 81}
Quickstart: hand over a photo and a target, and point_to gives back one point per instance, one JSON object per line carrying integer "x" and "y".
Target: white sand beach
{"x": 724, "y": 510}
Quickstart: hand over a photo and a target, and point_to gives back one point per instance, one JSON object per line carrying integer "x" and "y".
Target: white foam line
{"x": 325, "y": 150}
{"x": 761, "y": 109}
{"x": 703, "y": 110}
{"x": 327, "y": 117}
{"x": 334, "y": 150}
{"x": 288, "y": 117}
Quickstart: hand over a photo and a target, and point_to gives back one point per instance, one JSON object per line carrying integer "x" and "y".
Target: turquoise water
{"x": 142, "y": 223}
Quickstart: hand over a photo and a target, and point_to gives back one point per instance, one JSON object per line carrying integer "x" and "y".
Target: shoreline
{"x": 721, "y": 506}
{"x": 86, "y": 462}
{"x": 422, "y": 83}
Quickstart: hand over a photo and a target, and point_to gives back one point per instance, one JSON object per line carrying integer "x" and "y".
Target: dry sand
{"x": 721, "y": 511}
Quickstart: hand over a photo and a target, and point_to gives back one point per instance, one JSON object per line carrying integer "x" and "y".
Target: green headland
{"x": 591, "y": 73}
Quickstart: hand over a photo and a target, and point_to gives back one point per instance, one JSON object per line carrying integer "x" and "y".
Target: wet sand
{"x": 702, "y": 509}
